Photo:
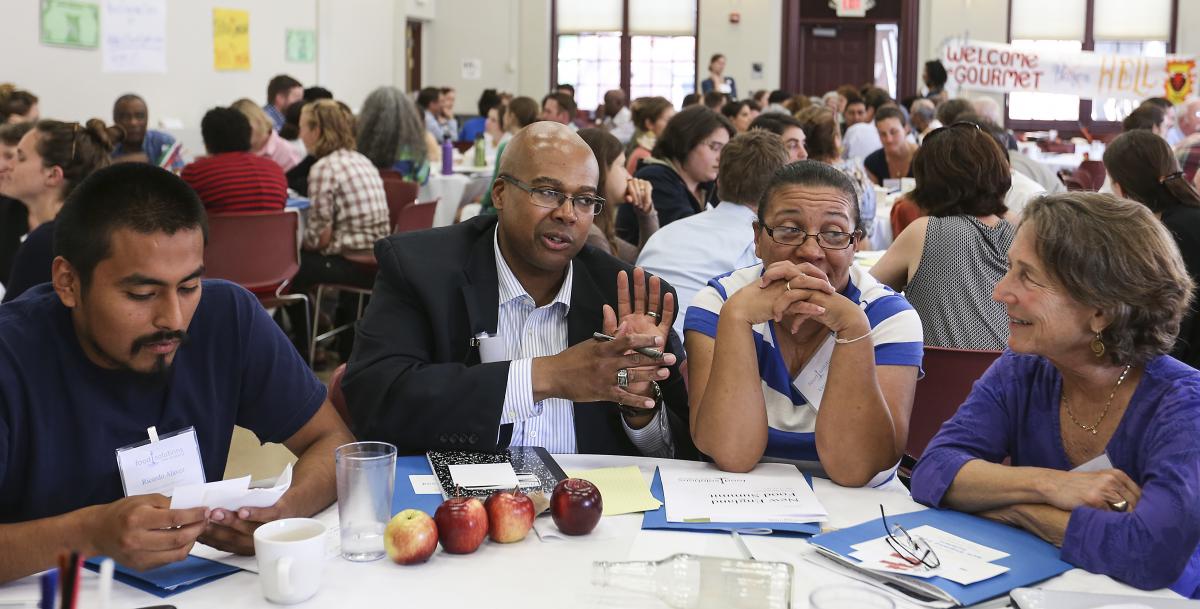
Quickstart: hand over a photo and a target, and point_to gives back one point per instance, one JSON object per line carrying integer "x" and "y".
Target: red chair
{"x": 949, "y": 376}
{"x": 336, "y": 397}
{"x": 418, "y": 216}
{"x": 1089, "y": 176}
{"x": 400, "y": 193}
{"x": 259, "y": 251}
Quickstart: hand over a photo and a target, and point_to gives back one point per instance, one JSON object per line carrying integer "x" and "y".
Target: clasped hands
{"x": 588, "y": 371}
{"x": 790, "y": 294}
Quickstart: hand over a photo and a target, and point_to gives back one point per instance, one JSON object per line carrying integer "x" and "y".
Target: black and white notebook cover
{"x": 536, "y": 470}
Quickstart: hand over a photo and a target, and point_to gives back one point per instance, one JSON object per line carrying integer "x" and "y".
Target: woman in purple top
{"x": 1095, "y": 292}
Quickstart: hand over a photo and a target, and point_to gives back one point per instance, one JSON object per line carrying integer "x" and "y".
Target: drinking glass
{"x": 366, "y": 474}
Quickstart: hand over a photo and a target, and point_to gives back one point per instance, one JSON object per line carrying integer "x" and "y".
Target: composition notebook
{"x": 533, "y": 465}
{"x": 1029, "y": 559}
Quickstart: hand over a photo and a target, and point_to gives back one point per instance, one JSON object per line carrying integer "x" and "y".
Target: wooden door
{"x": 835, "y": 55}
{"x": 412, "y": 56}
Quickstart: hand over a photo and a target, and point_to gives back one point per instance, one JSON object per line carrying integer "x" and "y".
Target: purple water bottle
{"x": 447, "y": 155}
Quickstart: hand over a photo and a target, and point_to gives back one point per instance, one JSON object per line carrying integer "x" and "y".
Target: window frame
{"x": 1085, "y": 121}
{"x": 626, "y": 47}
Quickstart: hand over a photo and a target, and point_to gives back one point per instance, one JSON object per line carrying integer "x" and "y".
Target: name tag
{"x": 492, "y": 349}
{"x": 160, "y": 464}
{"x": 812, "y": 379}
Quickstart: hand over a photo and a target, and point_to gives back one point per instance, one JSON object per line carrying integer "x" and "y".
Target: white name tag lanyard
{"x": 161, "y": 463}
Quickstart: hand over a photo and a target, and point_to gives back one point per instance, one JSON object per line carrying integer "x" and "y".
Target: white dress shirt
{"x": 529, "y": 331}
{"x": 860, "y": 140}
{"x": 689, "y": 252}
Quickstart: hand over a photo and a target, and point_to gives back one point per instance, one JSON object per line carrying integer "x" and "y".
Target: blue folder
{"x": 403, "y": 496}
{"x": 169, "y": 579}
{"x": 1030, "y": 560}
{"x": 657, "y": 519}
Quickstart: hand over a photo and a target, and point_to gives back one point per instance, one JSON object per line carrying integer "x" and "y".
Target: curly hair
{"x": 1134, "y": 274}
{"x": 390, "y": 128}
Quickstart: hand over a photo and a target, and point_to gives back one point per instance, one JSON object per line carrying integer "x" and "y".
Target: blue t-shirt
{"x": 472, "y": 129}
{"x": 63, "y": 417}
{"x": 791, "y": 415}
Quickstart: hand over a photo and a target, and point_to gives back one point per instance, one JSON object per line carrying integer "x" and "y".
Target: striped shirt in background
{"x": 792, "y": 420}
{"x": 346, "y": 186}
{"x": 236, "y": 182}
{"x": 530, "y": 331}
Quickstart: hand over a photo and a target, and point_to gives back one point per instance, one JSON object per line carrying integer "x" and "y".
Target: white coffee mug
{"x": 291, "y": 557}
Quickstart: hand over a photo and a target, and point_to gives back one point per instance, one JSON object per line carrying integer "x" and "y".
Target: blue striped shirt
{"x": 531, "y": 331}
{"x": 792, "y": 419}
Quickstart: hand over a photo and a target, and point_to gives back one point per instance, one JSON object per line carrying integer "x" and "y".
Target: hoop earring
{"x": 1098, "y": 346}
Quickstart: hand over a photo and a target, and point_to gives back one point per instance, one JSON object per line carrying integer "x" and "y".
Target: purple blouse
{"x": 1012, "y": 411}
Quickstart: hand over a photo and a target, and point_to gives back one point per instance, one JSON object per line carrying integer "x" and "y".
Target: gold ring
{"x": 1119, "y": 506}
{"x": 789, "y": 285}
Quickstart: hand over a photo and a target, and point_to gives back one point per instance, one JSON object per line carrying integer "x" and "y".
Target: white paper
{"x": 771, "y": 492}
{"x": 231, "y": 494}
{"x": 134, "y": 37}
{"x": 492, "y": 349}
{"x": 484, "y": 475}
{"x": 811, "y": 382}
{"x": 1098, "y": 464}
{"x": 158, "y": 467}
{"x": 961, "y": 560}
{"x": 425, "y": 484}
{"x": 472, "y": 69}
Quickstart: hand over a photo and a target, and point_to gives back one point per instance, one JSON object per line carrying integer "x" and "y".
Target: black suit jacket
{"x": 415, "y": 379}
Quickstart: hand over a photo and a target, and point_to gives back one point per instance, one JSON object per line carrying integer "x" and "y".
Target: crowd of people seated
{"x": 724, "y": 233}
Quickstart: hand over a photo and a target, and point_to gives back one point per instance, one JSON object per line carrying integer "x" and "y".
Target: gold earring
{"x": 1098, "y": 346}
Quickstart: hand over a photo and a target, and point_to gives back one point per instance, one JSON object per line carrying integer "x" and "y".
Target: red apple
{"x": 510, "y": 515}
{"x": 410, "y": 537}
{"x": 576, "y": 506}
{"x": 462, "y": 524}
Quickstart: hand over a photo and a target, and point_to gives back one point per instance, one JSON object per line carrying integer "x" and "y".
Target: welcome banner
{"x": 1003, "y": 68}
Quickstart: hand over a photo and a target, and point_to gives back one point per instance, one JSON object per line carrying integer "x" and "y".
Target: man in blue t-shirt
{"x": 125, "y": 337}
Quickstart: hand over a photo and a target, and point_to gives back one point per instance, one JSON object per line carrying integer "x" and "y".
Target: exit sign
{"x": 851, "y": 8}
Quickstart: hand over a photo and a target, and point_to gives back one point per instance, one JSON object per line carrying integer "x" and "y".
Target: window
{"x": 1062, "y": 25}
{"x": 592, "y": 37}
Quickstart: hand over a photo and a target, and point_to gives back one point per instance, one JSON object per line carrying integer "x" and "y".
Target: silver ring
{"x": 1119, "y": 506}
{"x": 656, "y": 316}
{"x": 623, "y": 378}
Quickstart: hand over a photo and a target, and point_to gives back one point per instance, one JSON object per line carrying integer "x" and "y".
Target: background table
{"x": 557, "y": 573}
{"x": 452, "y": 191}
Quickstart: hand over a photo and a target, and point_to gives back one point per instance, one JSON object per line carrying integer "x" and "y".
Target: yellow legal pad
{"x": 623, "y": 488}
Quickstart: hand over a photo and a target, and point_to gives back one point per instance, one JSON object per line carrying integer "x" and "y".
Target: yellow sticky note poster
{"x": 623, "y": 489}
{"x": 231, "y": 39}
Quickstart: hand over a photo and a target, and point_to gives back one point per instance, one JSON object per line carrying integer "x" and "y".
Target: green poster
{"x": 301, "y": 46}
{"x": 70, "y": 23}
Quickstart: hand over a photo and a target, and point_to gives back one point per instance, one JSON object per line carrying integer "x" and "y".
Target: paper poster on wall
{"x": 231, "y": 39}
{"x": 472, "y": 69}
{"x": 70, "y": 24}
{"x": 301, "y": 46}
{"x": 1004, "y": 68}
{"x": 134, "y": 38}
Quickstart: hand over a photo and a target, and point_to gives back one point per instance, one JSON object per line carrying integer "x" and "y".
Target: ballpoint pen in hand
{"x": 647, "y": 351}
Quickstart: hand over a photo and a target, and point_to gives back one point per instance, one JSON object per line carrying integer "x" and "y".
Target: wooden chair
{"x": 949, "y": 376}
{"x": 418, "y": 216}
{"x": 259, "y": 251}
{"x": 400, "y": 193}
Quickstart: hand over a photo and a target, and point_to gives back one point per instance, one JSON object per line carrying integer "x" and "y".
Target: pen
{"x": 49, "y": 587}
{"x": 106, "y": 580}
{"x": 647, "y": 351}
{"x": 741, "y": 544}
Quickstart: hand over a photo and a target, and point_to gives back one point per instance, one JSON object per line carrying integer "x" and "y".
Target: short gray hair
{"x": 390, "y": 127}
{"x": 1114, "y": 255}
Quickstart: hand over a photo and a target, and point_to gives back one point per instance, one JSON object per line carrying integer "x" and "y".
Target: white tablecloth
{"x": 554, "y": 573}
{"x": 452, "y": 191}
